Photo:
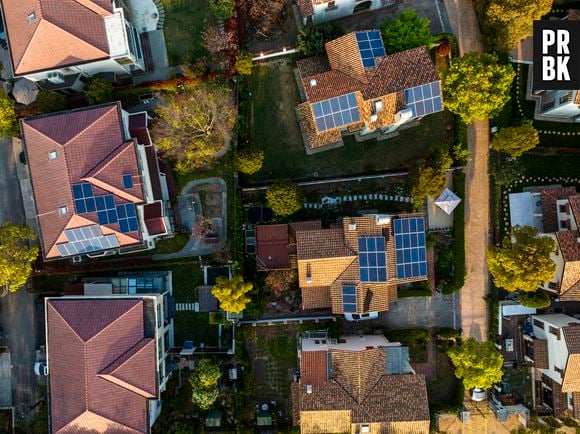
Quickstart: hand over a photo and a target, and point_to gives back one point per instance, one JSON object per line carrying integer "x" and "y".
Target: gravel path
{"x": 474, "y": 320}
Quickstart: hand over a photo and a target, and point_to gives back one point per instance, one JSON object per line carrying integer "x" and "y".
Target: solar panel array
{"x": 85, "y": 240}
{"x": 336, "y": 112}
{"x": 372, "y": 259}
{"x": 370, "y": 46}
{"x": 107, "y": 211}
{"x": 424, "y": 99}
{"x": 410, "y": 247}
{"x": 349, "y": 298}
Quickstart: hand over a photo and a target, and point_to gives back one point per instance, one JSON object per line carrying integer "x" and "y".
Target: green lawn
{"x": 195, "y": 326}
{"x": 184, "y": 21}
{"x": 274, "y": 96}
{"x": 186, "y": 277}
{"x": 551, "y": 165}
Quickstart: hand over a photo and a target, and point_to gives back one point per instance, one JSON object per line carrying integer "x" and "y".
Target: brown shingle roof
{"x": 61, "y": 32}
{"x": 570, "y": 248}
{"x": 272, "y": 247}
{"x": 102, "y": 366}
{"x": 541, "y": 354}
{"x": 549, "y": 197}
{"x": 575, "y": 206}
{"x": 90, "y": 147}
{"x": 324, "y": 243}
{"x": 311, "y": 66}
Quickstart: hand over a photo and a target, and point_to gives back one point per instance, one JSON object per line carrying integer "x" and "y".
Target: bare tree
{"x": 216, "y": 39}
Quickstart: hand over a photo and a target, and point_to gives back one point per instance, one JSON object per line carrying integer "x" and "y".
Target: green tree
{"x": 429, "y": 176}
{"x": 310, "y": 40}
{"x": 16, "y": 256}
{"x": 408, "y": 31}
{"x": 221, "y": 9}
{"x": 194, "y": 125}
{"x": 506, "y": 22}
{"x": 478, "y": 364}
{"x": 49, "y": 102}
{"x": 476, "y": 86}
{"x": 504, "y": 169}
{"x": 514, "y": 141}
{"x": 284, "y": 198}
{"x": 8, "y": 121}
{"x": 522, "y": 261}
{"x": 98, "y": 91}
{"x": 204, "y": 383}
{"x": 244, "y": 63}
{"x": 537, "y": 299}
{"x": 249, "y": 160}
{"x": 232, "y": 294}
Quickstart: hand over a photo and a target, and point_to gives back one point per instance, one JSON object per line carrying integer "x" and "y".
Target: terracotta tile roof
{"x": 313, "y": 137}
{"x": 90, "y": 147}
{"x": 272, "y": 247}
{"x": 305, "y": 8}
{"x": 311, "y": 66}
{"x": 572, "y": 338}
{"x": 569, "y": 245}
{"x": 570, "y": 248}
{"x": 362, "y": 393}
{"x": 548, "y": 198}
{"x": 102, "y": 366}
{"x": 571, "y": 381}
{"x": 329, "y": 84}
{"x": 315, "y": 297}
{"x": 575, "y": 207}
{"x": 541, "y": 360}
{"x": 314, "y": 368}
{"x": 153, "y": 216}
{"x": 344, "y": 56}
{"x": 61, "y": 32}
{"x": 323, "y": 243}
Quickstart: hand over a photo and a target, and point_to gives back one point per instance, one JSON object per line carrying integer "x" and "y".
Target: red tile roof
{"x": 91, "y": 147}
{"x": 313, "y": 368}
{"x": 153, "y": 216}
{"x": 61, "y": 32}
{"x": 548, "y": 198}
{"x": 272, "y": 247}
{"x": 102, "y": 366}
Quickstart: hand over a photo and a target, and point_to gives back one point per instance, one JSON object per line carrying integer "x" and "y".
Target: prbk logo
{"x": 556, "y": 55}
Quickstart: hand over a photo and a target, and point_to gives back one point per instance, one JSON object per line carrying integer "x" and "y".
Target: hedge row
{"x": 459, "y": 236}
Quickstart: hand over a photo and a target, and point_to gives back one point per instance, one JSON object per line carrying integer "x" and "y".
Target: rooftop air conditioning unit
{"x": 403, "y": 115}
{"x": 55, "y": 77}
{"x": 352, "y": 226}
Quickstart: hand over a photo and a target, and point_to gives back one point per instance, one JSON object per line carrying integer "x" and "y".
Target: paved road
{"x": 474, "y": 318}
{"x": 11, "y": 208}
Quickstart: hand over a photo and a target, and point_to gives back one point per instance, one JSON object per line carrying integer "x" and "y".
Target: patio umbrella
{"x": 25, "y": 91}
{"x": 447, "y": 201}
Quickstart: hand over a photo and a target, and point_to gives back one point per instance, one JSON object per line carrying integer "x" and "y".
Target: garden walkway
{"x": 474, "y": 321}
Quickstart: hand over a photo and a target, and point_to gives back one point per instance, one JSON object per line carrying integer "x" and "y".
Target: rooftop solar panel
{"x": 127, "y": 217}
{"x": 424, "y": 99}
{"x": 349, "y": 298}
{"x": 86, "y": 240}
{"x": 370, "y": 46}
{"x": 410, "y": 247}
{"x": 372, "y": 259}
{"x": 336, "y": 112}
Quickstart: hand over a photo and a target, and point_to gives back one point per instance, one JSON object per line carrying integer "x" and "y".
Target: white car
{"x": 361, "y": 316}
{"x": 478, "y": 394}
{"x": 40, "y": 368}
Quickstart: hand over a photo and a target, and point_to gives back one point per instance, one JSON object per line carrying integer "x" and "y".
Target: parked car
{"x": 478, "y": 394}
{"x": 361, "y": 316}
{"x": 40, "y": 368}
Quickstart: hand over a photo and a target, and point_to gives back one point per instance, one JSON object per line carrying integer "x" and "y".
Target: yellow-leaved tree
{"x": 16, "y": 256}
{"x": 232, "y": 294}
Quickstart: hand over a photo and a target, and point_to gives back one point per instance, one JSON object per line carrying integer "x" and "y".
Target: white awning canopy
{"x": 448, "y": 201}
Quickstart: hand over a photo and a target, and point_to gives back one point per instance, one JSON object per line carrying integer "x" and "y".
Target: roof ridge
{"x": 100, "y": 118}
{"x": 81, "y": 3}
{"x": 142, "y": 345}
{"x": 42, "y": 19}
{"x": 113, "y": 322}
{"x": 107, "y": 160}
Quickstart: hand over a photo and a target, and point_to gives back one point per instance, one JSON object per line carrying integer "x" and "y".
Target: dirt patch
{"x": 270, "y": 25}
{"x": 260, "y": 372}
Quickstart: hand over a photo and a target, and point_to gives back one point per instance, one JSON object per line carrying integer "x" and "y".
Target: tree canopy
{"x": 522, "y": 261}
{"x": 249, "y": 160}
{"x": 514, "y": 141}
{"x": 478, "y": 364}
{"x": 195, "y": 125}
{"x": 429, "y": 176}
{"x": 537, "y": 299}
{"x": 408, "y": 31}
{"x": 204, "y": 383}
{"x": 49, "y": 102}
{"x": 232, "y": 294}
{"x": 98, "y": 91}
{"x": 506, "y": 22}
{"x": 310, "y": 39}
{"x": 16, "y": 256}
{"x": 8, "y": 121}
{"x": 244, "y": 63}
{"x": 221, "y": 9}
{"x": 476, "y": 86}
{"x": 284, "y": 198}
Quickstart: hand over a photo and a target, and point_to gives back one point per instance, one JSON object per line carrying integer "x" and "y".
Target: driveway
{"x": 474, "y": 318}
{"x": 11, "y": 208}
{"x": 423, "y": 312}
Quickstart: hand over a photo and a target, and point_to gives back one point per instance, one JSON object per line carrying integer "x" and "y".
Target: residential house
{"x": 321, "y": 11}
{"x": 154, "y": 286}
{"x": 554, "y": 349}
{"x": 357, "y": 384}
{"x": 59, "y": 44}
{"x": 350, "y": 268}
{"x": 103, "y": 372}
{"x": 555, "y": 212}
{"x": 96, "y": 182}
{"x": 358, "y": 89}
{"x": 557, "y": 105}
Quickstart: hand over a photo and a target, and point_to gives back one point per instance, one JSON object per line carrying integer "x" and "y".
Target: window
{"x": 555, "y": 331}
{"x": 377, "y": 106}
{"x": 52, "y": 155}
{"x": 564, "y": 209}
{"x": 62, "y": 210}
{"x": 548, "y": 106}
{"x": 563, "y": 99}
{"x": 331, "y": 6}
{"x": 31, "y": 18}
{"x": 539, "y": 323}
{"x": 365, "y": 428}
{"x": 127, "y": 181}
{"x": 565, "y": 224}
